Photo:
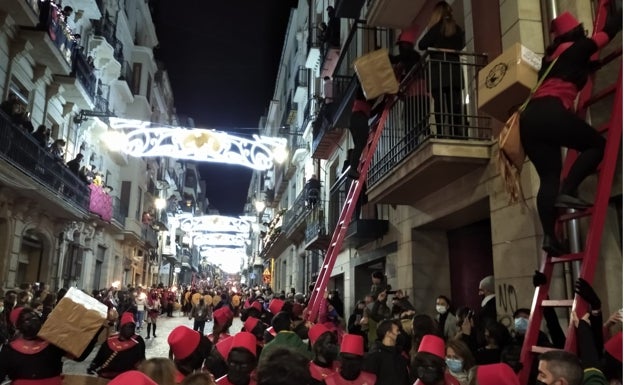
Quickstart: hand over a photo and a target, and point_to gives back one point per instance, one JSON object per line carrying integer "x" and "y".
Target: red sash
{"x": 320, "y": 373}
{"x": 119, "y": 346}
{"x": 58, "y": 380}
{"x": 365, "y": 378}
{"x": 29, "y": 346}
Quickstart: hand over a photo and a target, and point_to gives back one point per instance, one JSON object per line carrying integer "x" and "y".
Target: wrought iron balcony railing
{"x": 120, "y": 211}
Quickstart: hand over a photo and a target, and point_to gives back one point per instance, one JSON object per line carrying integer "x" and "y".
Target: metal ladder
{"x": 597, "y": 213}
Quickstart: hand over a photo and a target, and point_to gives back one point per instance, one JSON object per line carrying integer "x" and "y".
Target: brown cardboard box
{"x": 74, "y": 322}
{"x": 80, "y": 379}
{"x": 376, "y": 74}
{"x": 507, "y": 80}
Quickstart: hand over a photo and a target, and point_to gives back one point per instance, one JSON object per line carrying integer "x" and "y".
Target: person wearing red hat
{"x": 496, "y": 374}
{"x": 223, "y": 318}
{"x": 216, "y": 361}
{"x": 325, "y": 352}
{"x": 351, "y": 361}
{"x": 132, "y": 377}
{"x": 550, "y": 122}
{"x": 121, "y": 352}
{"x": 384, "y": 359}
{"x": 27, "y": 359}
{"x": 188, "y": 349}
{"x": 241, "y": 360}
{"x": 445, "y": 73}
{"x": 257, "y": 328}
{"x": 429, "y": 366}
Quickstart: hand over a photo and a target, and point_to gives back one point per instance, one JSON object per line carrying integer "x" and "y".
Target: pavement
{"x": 154, "y": 347}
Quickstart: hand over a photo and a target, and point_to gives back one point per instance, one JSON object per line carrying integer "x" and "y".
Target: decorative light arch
{"x": 139, "y": 138}
{"x": 215, "y": 224}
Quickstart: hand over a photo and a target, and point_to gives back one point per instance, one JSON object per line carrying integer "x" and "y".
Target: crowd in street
{"x": 384, "y": 341}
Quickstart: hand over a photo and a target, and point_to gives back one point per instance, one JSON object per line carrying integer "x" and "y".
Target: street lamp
{"x": 260, "y": 206}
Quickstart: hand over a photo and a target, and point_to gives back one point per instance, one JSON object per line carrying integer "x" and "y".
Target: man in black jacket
{"x": 385, "y": 359}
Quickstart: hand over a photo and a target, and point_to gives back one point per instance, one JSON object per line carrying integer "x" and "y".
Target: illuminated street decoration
{"x": 215, "y": 224}
{"x": 218, "y": 239}
{"x": 142, "y": 139}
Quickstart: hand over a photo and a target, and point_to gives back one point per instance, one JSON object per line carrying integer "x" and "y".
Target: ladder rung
{"x": 603, "y": 128}
{"x": 567, "y": 258}
{"x": 558, "y": 302}
{"x": 600, "y": 95}
{"x": 575, "y": 215}
{"x": 541, "y": 349}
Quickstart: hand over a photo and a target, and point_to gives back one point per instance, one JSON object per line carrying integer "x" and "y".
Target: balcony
{"x": 24, "y": 12}
{"x": 53, "y": 45}
{"x": 31, "y": 169}
{"x": 428, "y": 138}
{"x": 106, "y": 50}
{"x": 80, "y": 86}
{"x": 316, "y": 234}
{"x": 120, "y": 212}
{"x": 328, "y": 124}
{"x": 302, "y": 80}
{"x": 123, "y": 85}
{"x": 89, "y": 8}
{"x": 274, "y": 241}
{"x": 393, "y": 13}
{"x": 150, "y": 236}
{"x": 100, "y": 202}
{"x": 294, "y": 218}
{"x": 133, "y": 230}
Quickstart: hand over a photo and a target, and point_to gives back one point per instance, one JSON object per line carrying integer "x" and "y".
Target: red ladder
{"x": 597, "y": 213}
{"x": 346, "y": 213}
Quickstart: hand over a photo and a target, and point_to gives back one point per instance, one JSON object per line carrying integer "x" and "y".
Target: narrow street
{"x": 155, "y": 347}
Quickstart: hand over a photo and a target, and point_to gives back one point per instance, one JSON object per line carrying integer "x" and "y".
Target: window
{"x": 136, "y": 78}
{"x": 99, "y": 261}
{"x": 148, "y": 93}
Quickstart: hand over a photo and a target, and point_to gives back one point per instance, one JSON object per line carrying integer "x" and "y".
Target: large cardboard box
{"x": 376, "y": 74}
{"x": 507, "y": 80}
{"x": 74, "y": 322}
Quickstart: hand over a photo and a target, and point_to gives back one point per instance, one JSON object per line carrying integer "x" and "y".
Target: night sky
{"x": 222, "y": 59}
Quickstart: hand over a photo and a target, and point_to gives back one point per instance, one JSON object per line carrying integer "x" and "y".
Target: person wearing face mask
{"x": 351, "y": 360}
{"x": 428, "y": 364}
{"x": 121, "y": 352}
{"x": 241, "y": 361}
{"x": 325, "y": 351}
{"x": 447, "y": 322}
{"x": 28, "y": 359}
{"x": 384, "y": 359}
{"x": 460, "y": 361}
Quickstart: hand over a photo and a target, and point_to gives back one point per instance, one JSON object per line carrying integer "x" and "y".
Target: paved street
{"x": 155, "y": 347}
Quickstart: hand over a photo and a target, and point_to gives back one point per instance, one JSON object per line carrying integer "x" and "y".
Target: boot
{"x": 553, "y": 247}
{"x": 154, "y": 330}
{"x": 149, "y": 326}
{"x": 571, "y": 201}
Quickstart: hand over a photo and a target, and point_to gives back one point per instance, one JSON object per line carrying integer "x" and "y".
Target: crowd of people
{"x": 384, "y": 341}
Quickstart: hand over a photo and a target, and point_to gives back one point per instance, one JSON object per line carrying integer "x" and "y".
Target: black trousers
{"x": 449, "y": 106}
{"x": 545, "y": 127}
{"x": 358, "y": 127}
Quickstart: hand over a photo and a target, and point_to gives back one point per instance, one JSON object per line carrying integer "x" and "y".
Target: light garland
{"x": 141, "y": 139}
{"x": 215, "y": 224}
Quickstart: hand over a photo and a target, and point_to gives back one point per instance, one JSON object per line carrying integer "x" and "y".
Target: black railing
{"x": 22, "y": 151}
{"x": 100, "y": 99}
{"x": 315, "y": 225}
{"x": 120, "y": 211}
{"x": 85, "y": 73}
{"x": 295, "y": 214}
{"x": 60, "y": 34}
{"x": 438, "y": 101}
{"x": 337, "y": 197}
{"x": 362, "y": 39}
{"x": 150, "y": 235}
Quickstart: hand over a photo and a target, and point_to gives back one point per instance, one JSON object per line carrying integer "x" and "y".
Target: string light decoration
{"x": 142, "y": 139}
{"x": 215, "y": 224}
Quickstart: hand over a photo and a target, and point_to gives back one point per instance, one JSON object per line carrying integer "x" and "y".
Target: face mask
{"x": 538, "y": 382}
{"x": 430, "y": 375}
{"x": 441, "y": 309}
{"x": 521, "y": 324}
{"x": 455, "y": 365}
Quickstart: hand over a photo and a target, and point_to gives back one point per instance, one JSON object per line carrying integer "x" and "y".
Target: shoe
{"x": 571, "y": 202}
{"x": 353, "y": 174}
{"x": 553, "y": 247}
{"x": 147, "y": 338}
{"x": 154, "y": 335}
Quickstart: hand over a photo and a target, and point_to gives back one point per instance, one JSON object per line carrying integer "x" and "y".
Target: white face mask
{"x": 441, "y": 309}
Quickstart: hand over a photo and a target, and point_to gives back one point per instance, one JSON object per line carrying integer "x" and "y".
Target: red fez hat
{"x": 408, "y": 35}
{"x": 223, "y": 314}
{"x": 276, "y": 305}
{"x": 316, "y": 331}
{"x": 244, "y": 340}
{"x": 15, "y": 313}
{"x": 183, "y": 341}
{"x": 132, "y": 377}
{"x": 352, "y": 344}
{"x": 126, "y": 318}
{"x": 496, "y": 374}
{"x": 432, "y": 344}
{"x": 563, "y": 23}
{"x": 224, "y": 346}
{"x": 250, "y": 323}
{"x": 613, "y": 346}
{"x": 256, "y": 305}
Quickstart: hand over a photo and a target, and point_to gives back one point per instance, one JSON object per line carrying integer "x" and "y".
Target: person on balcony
{"x": 333, "y": 28}
{"x": 74, "y": 164}
{"x": 42, "y": 135}
{"x": 549, "y": 121}
{"x": 313, "y": 190}
{"x": 45, "y": 7}
{"x": 445, "y": 79}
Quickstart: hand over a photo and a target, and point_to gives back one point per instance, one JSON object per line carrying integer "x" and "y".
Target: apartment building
{"x": 436, "y": 218}
{"x": 71, "y": 69}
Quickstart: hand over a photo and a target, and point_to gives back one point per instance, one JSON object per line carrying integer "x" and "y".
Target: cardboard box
{"x": 74, "y": 322}
{"x": 506, "y": 81}
{"x": 376, "y": 74}
{"x": 83, "y": 379}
